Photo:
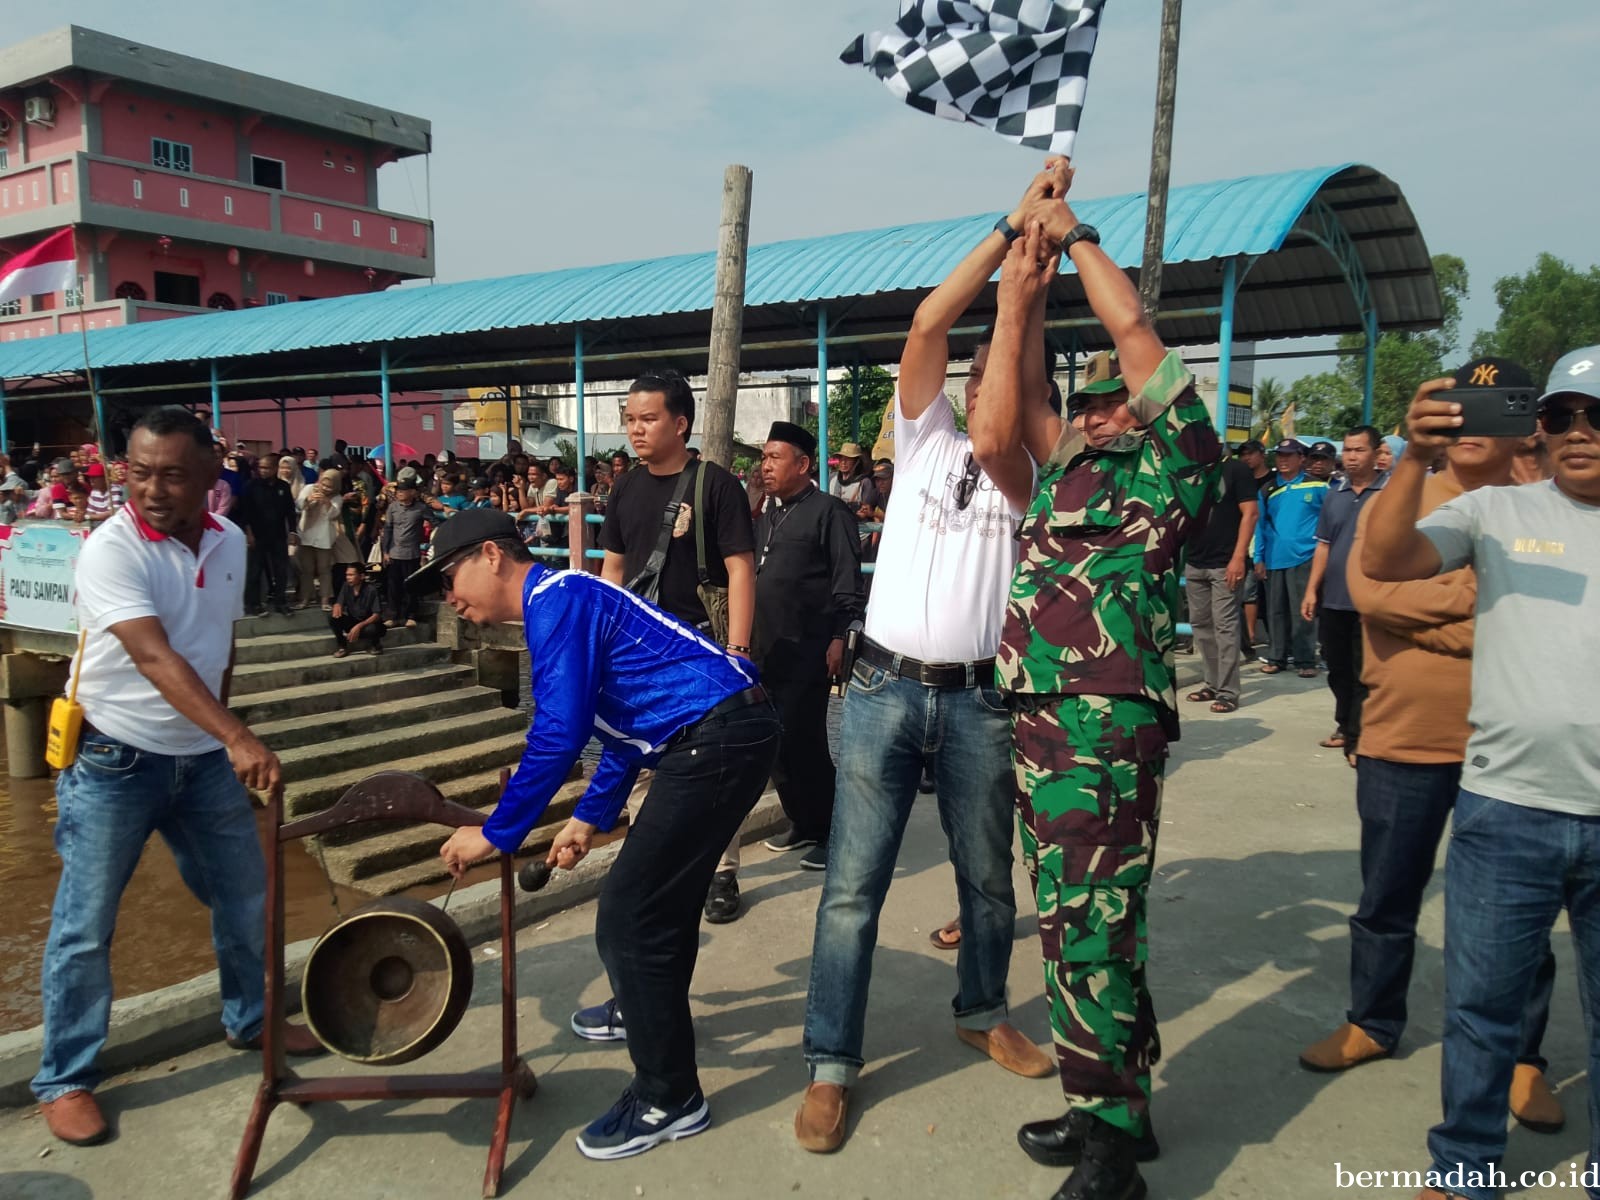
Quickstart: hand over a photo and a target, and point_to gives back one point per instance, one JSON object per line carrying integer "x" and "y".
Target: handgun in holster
{"x": 852, "y": 648}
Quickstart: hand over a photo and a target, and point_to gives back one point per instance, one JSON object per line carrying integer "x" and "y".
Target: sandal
{"x": 1333, "y": 741}
{"x": 340, "y": 652}
{"x": 1201, "y": 695}
{"x": 947, "y": 937}
{"x": 1225, "y": 706}
{"x": 1307, "y": 672}
{"x": 1271, "y": 669}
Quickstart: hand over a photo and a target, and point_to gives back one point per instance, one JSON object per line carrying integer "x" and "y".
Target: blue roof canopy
{"x": 519, "y": 328}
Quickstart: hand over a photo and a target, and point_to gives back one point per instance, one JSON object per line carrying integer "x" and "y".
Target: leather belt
{"x": 942, "y": 675}
{"x": 744, "y": 699}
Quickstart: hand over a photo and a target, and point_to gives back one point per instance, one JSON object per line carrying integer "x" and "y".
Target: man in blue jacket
{"x": 1287, "y": 540}
{"x": 655, "y": 692}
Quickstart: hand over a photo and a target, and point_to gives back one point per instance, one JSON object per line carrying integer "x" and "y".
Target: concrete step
{"x": 287, "y": 647}
{"x": 300, "y": 620}
{"x": 358, "y": 863}
{"x": 256, "y": 678}
{"x": 308, "y": 795}
{"x": 375, "y": 750}
{"x": 397, "y": 682}
{"x": 457, "y": 704}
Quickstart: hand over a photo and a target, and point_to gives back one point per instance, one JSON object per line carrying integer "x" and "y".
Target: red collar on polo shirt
{"x": 151, "y": 534}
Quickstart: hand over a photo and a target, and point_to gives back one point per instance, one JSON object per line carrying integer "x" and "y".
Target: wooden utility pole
{"x": 1155, "y": 221}
{"x": 727, "y": 317}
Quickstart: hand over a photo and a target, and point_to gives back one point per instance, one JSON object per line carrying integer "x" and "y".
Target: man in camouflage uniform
{"x": 1086, "y": 661}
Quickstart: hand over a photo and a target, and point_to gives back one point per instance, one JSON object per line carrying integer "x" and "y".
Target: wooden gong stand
{"x": 387, "y": 795}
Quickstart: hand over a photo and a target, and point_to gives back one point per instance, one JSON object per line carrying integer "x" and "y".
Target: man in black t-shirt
{"x": 1254, "y": 456}
{"x": 1218, "y": 564}
{"x": 660, "y": 417}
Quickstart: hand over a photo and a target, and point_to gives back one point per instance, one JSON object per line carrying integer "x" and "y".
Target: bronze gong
{"x": 388, "y": 983}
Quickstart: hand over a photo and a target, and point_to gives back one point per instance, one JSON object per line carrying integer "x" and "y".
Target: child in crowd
{"x": 13, "y": 499}
{"x": 98, "y": 506}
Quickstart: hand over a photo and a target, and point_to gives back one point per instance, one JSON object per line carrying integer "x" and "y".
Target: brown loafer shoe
{"x": 298, "y": 1042}
{"x": 819, "y": 1125}
{"x": 76, "y": 1118}
{"x": 1533, "y": 1104}
{"x": 1347, "y": 1046}
{"x": 1006, "y": 1045}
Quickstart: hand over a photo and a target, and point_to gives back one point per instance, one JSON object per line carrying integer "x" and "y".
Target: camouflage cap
{"x": 1102, "y": 375}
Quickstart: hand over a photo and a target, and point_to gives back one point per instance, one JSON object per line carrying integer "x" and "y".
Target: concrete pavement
{"x": 1249, "y": 962}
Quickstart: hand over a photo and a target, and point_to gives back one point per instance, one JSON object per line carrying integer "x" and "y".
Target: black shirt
{"x": 357, "y": 608}
{"x": 633, "y": 525}
{"x": 808, "y": 581}
{"x": 1213, "y": 548}
{"x": 267, "y": 510}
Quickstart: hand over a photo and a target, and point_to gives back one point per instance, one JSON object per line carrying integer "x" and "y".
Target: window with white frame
{"x": 277, "y": 297}
{"x": 183, "y": 197}
{"x": 73, "y": 296}
{"x": 316, "y": 220}
{"x": 138, "y": 189}
{"x": 174, "y": 156}
{"x": 10, "y": 308}
{"x": 227, "y": 206}
{"x": 355, "y": 228}
{"x": 394, "y": 236}
{"x": 5, "y": 158}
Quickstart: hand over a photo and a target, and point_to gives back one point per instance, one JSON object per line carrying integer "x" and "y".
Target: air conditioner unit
{"x": 39, "y": 110}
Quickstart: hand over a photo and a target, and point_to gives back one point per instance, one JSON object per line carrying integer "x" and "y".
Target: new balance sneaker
{"x": 816, "y": 858}
{"x": 600, "y": 1023}
{"x": 633, "y": 1126}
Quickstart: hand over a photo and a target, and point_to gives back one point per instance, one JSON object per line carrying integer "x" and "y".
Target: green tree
{"x": 1325, "y": 405}
{"x": 1544, "y": 313}
{"x": 877, "y": 393}
{"x": 1266, "y": 407}
{"x": 1405, "y": 360}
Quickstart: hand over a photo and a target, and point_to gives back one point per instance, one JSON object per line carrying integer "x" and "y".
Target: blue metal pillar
{"x": 822, "y": 396}
{"x": 1230, "y": 291}
{"x": 388, "y": 418}
{"x": 100, "y": 419}
{"x": 216, "y": 398}
{"x": 577, "y": 387}
{"x": 855, "y": 402}
{"x": 1370, "y": 320}
{"x": 5, "y": 434}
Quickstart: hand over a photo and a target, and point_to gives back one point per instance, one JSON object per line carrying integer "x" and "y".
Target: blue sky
{"x": 577, "y": 132}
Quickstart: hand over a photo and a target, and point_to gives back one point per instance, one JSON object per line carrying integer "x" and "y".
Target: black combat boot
{"x": 1059, "y": 1143}
{"x": 1108, "y": 1168}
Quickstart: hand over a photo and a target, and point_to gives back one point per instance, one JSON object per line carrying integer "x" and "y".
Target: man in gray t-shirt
{"x": 1526, "y": 840}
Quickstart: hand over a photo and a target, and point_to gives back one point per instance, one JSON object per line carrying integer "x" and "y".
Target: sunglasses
{"x": 967, "y": 487}
{"x": 1556, "y": 419}
{"x": 447, "y": 572}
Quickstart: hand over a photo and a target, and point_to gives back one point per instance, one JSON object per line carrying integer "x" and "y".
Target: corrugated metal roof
{"x": 1206, "y": 223}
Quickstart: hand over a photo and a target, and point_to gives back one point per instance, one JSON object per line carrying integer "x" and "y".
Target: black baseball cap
{"x": 469, "y": 528}
{"x": 1322, "y": 450}
{"x": 1251, "y": 447}
{"x": 1290, "y": 446}
{"x": 1493, "y": 372}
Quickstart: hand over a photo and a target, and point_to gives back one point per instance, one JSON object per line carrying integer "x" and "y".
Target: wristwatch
{"x": 1004, "y": 229}
{"x": 1080, "y": 232}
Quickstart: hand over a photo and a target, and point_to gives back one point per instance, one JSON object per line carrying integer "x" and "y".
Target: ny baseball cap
{"x": 1290, "y": 446}
{"x": 1493, "y": 372}
{"x": 469, "y": 528}
{"x": 1576, "y": 373}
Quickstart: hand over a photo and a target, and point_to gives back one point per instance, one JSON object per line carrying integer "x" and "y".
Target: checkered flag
{"x": 1018, "y": 67}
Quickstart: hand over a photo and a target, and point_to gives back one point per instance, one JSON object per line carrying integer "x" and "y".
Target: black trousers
{"x": 1341, "y": 650}
{"x": 271, "y": 561}
{"x": 804, "y": 773}
{"x": 647, "y": 928}
{"x": 371, "y": 634}
{"x": 401, "y": 603}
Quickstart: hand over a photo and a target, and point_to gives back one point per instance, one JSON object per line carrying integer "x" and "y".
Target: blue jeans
{"x": 1404, "y": 808}
{"x": 109, "y": 802}
{"x": 890, "y": 724}
{"x": 1509, "y": 873}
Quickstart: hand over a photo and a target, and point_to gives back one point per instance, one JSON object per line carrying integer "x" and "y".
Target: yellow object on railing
{"x": 66, "y": 718}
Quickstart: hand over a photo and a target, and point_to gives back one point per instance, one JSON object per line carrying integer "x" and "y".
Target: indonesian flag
{"x": 51, "y": 266}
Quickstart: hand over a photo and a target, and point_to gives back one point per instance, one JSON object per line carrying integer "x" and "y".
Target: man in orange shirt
{"x": 1417, "y": 647}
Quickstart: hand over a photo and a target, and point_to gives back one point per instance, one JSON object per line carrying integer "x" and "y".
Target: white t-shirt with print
{"x": 943, "y": 572}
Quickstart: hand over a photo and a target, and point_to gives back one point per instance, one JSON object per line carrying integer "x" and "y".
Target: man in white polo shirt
{"x": 924, "y": 685}
{"x": 159, "y": 587}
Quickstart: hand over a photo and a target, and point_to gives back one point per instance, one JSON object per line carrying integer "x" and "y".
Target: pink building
{"x": 192, "y": 186}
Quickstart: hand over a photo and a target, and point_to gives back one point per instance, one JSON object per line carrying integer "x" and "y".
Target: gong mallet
{"x": 534, "y": 875}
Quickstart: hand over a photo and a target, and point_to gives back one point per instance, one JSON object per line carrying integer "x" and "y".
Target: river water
{"x": 163, "y": 933}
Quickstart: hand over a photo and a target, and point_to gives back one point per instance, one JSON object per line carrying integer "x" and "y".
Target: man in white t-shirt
{"x": 159, "y": 587}
{"x": 923, "y": 685}
{"x": 1526, "y": 838}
